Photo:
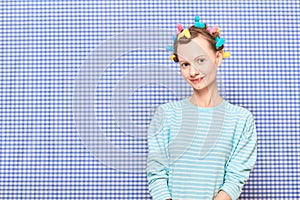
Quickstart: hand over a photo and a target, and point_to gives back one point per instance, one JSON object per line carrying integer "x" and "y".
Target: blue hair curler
{"x": 197, "y": 23}
{"x": 220, "y": 42}
{"x": 174, "y": 38}
{"x": 170, "y": 48}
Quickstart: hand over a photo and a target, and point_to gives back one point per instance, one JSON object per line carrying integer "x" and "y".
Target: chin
{"x": 199, "y": 87}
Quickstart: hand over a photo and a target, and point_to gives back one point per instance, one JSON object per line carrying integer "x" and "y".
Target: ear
{"x": 219, "y": 58}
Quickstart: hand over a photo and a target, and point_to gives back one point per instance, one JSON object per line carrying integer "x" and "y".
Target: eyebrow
{"x": 194, "y": 58}
{"x": 182, "y": 61}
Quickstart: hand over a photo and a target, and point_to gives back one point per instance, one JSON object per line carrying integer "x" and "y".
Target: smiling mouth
{"x": 197, "y": 80}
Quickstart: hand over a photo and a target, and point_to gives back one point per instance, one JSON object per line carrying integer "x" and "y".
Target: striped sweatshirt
{"x": 194, "y": 152}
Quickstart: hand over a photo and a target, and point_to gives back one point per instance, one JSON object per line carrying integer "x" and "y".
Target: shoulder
{"x": 169, "y": 107}
{"x": 239, "y": 111}
{"x": 161, "y": 115}
{"x": 244, "y": 119}
{"x": 168, "y": 110}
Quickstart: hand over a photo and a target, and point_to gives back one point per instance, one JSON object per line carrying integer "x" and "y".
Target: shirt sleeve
{"x": 242, "y": 160}
{"x": 157, "y": 161}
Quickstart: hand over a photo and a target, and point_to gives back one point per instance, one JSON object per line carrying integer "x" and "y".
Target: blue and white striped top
{"x": 194, "y": 152}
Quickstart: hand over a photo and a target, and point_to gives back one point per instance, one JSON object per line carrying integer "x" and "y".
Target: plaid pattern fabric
{"x": 79, "y": 82}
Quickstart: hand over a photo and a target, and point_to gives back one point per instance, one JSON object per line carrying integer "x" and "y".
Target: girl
{"x": 201, "y": 147}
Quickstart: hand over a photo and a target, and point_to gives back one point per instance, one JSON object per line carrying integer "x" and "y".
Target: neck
{"x": 207, "y": 97}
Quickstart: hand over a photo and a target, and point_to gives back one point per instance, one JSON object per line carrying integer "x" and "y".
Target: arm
{"x": 241, "y": 162}
{"x": 157, "y": 161}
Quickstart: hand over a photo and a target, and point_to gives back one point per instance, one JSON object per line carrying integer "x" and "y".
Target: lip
{"x": 197, "y": 79}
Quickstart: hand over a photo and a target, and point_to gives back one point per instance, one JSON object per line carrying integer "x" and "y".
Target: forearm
{"x": 157, "y": 161}
{"x": 222, "y": 196}
{"x": 157, "y": 175}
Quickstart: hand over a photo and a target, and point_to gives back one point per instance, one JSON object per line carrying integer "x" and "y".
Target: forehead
{"x": 196, "y": 47}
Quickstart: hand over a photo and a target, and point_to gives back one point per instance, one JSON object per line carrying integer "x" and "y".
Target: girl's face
{"x": 198, "y": 63}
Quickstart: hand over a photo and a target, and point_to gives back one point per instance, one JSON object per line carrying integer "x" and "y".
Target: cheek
{"x": 209, "y": 68}
{"x": 184, "y": 72}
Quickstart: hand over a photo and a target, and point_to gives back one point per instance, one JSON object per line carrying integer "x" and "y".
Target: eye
{"x": 184, "y": 65}
{"x": 201, "y": 60}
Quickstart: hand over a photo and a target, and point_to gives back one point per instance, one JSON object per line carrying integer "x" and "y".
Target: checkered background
{"x": 80, "y": 80}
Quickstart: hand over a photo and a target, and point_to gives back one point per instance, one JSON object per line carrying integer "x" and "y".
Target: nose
{"x": 193, "y": 70}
